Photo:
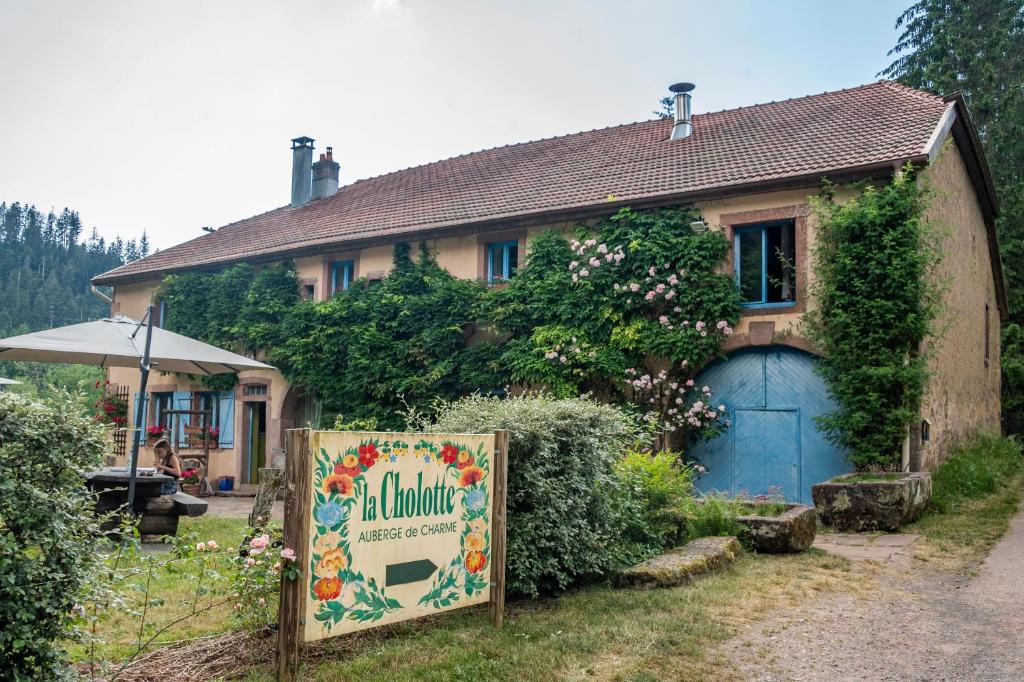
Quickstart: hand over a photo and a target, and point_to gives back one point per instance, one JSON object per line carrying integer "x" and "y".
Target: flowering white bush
{"x": 637, "y": 291}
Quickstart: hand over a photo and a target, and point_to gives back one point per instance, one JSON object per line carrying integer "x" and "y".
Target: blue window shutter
{"x": 182, "y": 401}
{"x": 227, "y": 419}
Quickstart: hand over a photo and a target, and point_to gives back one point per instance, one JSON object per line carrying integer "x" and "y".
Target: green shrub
{"x": 48, "y": 530}
{"x": 877, "y": 296}
{"x": 974, "y": 471}
{"x": 713, "y": 515}
{"x": 565, "y": 504}
{"x": 656, "y": 487}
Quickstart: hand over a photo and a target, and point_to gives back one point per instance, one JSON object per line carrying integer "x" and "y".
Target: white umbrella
{"x": 116, "y": 342}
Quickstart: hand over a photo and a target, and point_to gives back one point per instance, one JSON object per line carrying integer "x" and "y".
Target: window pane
{"x": 749, "y": 245}
{"x": 496, "y": 263}
{"x": 781, "y": 262}
{"x": 513, "y": 260}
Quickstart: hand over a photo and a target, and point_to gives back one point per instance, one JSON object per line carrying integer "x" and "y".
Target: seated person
{"x": 167, "y": 462}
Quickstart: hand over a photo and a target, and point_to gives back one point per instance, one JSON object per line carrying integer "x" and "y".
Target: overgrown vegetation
{"x": 975, "y": 494}
{"x": 877, "y": 299}
{"x": 627, "y": 311}
{"x": 48, "y": 530}
{"x": 975, "y": 471}
{"x": 371, "y": 352}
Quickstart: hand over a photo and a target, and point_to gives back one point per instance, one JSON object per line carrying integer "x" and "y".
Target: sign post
{"x": 297, "y": 470}
{"x": 388, "y": 527}
{"x": 500, "y": 470}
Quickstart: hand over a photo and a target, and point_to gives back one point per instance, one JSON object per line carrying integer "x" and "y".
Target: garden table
{"x": 159, "y": 513}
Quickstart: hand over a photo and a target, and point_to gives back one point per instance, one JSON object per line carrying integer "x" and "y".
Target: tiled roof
{"x": 806, "y": 137}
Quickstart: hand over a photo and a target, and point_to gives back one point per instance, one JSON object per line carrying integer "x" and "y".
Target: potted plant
{"x": 212, "y": 434}
{"x": 190, "y": 481}
{"x": 872, "y": 500}
{"x": 155, "y": 432}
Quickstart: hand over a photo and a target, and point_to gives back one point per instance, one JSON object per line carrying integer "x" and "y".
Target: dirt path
{"x": 920, "y": 625}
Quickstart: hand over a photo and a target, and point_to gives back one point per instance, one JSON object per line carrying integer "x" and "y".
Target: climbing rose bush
{"x": 628, "y": 310}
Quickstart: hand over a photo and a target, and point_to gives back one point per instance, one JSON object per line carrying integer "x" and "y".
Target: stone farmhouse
{"x": 749, "y": 171}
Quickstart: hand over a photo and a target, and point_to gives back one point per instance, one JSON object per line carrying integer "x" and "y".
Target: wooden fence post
{"x": 499, "y": 469}
{"x": 291, "y": 608}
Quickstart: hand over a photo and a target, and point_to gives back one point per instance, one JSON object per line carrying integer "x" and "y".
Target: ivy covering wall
{"x": 627, "y": 311}
{"x": 877, "y": 298}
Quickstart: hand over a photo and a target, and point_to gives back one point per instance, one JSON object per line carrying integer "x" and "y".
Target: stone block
{"x": 790, "y": 532}
{"x": 682, "y": 564}
{"x": 863, "y": 505}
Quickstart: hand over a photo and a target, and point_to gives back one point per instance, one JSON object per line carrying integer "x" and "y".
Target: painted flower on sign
{"x": 449, "y": 453}
{"x": 331, "y": 562}
{"x": 465, "y": 460}
{"x": 368, "y": 455}
{"x": 339, "y": 483}
{"x": 474, "y": 542}
{"x": 327, "y": 588}
{"x": 349, "y": 465}
{"x": 470, "y": 476}
{"x": 331, "y": 514}
{"x": 475, "y": 561}
{"x": 476, "y": 499}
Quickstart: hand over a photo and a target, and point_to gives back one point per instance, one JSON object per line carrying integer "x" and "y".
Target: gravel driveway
{"x": 919, "y": 625}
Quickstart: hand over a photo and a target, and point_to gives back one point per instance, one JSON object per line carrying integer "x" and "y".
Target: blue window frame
{"x": 502, "y": 261}
{"x": 765, "y": 264}
{"x": 342, "y": 274}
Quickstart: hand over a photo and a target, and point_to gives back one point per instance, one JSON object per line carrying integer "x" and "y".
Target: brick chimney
{"x": 325, "y": 175}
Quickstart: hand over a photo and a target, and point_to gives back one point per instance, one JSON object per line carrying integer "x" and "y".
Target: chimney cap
{"x": 679, "y": 88}
{"x": 302, "y": 142}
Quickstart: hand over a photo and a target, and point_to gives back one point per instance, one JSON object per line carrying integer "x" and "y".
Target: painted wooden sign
{"x": 399, "y": 526}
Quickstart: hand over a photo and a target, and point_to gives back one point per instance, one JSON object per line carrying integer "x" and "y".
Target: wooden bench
{"x": 188, "y": 505}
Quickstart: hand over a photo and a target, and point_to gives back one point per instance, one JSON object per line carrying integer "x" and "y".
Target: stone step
{"x": 682, "y": 564}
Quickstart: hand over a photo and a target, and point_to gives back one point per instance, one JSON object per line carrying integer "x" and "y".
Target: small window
{"x": 988, "y": 334}
{"x": 162, "y": 404}
{"x": 342, "y": 274}
{"x": 502, "y": 261}
{"x": 308, "y": 292}
{"x": 926, "y": 431}
{"x": 765, "y": 263}
{"x": 254, "y": 389}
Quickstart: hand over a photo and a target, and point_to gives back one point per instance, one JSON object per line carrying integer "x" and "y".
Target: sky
{"x": 168, "y": 116}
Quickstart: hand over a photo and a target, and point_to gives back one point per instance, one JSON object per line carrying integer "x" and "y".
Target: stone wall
{"x": 963, "y": 395}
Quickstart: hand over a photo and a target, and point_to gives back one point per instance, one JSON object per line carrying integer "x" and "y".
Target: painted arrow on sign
{"x": 408, "y": 572}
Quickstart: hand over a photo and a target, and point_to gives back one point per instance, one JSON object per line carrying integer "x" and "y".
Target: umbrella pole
{"x": 140, "y": 410}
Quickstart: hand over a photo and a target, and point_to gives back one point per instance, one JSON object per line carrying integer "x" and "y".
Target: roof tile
{"x": 817, "y": 134}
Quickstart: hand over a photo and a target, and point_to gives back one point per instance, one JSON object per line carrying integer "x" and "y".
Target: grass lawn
{"x": 594, "y": 632}
{"x": 632, "y": 635}
{"x": 120, "y": 631}
{"x": 976, "y": 493}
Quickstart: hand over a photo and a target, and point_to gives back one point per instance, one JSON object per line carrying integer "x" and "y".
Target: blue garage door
{"x": 772, "y": 396}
